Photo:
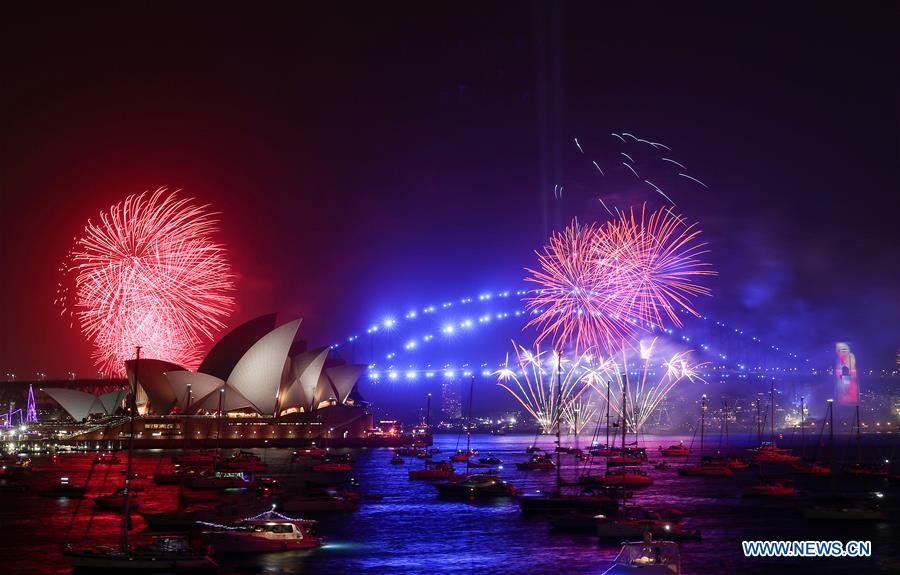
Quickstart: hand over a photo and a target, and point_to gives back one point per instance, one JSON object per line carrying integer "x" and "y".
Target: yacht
{"x": 810, "y": 468}
{"x": 647, "y": 557}
{"x": 263, "y": 533}
{"x": 675, "y": 450}
{"x": 706, "y": 469}
{"x": 627, "y": 477}
{"x": 538, "y": 462}
{"x": 613, "y": 528}
{"x": 479, "y": 485}
{"x": 437, "y": 470}
{"x": 770, "y": 489}
{"x": 218, "y": 480}
{"x": 242, "y": 461}
{"x": 768, "y": 452}
{"x": 64, "y": 489}
{"x": 107, "y": 458}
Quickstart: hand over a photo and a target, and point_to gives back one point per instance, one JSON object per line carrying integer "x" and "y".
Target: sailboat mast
{"x": 802, "y": 437}
{"x": 758, "y": 423}
{"x": 608, "y": 386}
{"x": 558, "y": 419}
{"x": 702, "y": 423}
{"x": 133, "y": 408}
{"x": 469, "y": 425}
{"x": 772, "y": 424}
{"x": 624, "y": 430}
{"x": 726, "y": 426}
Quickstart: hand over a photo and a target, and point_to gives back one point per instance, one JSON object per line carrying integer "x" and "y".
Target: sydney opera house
{"x": 256, "y": 386}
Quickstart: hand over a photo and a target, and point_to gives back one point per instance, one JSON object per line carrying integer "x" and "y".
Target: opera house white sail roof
{"x": 261, "y": 377}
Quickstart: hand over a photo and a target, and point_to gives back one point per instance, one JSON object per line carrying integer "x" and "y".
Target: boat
{"x": 242, "y": 461}
{"x": 768, "y": 452}
{"x": 675, "y": 450}
{"x": 64, "y": 489}
{"x": 491, "y": 459}
{"x": 863, "y": 470}
{"x": 846, "y": 509}
{"x": 533, "y": 449}
{"x": 396, "y": 459}
{"x": 538, "y": 462}
{"x": 308, "y": 453}
{"x": 263, "y": 533}
{"x": 218, "y": 480}
{"x": 647, "y": 557}
{"x": 115, "y": 501}
{"x": 434, "y": 470}
{"x": 736, "y": 463}
{"x": 624, "y": 460}
{"x": 407, "y": 451}
{"x": 627, "y": 477}
{"x": 706, "y": 469}
{"x": 165, "y": 553}
{"x": 770, "y": 489}
{"x": 810, "y": 468}
{"x": 477, "y": 485}
{"x": 583, "y": 521}
{"x": 662, "y": 466}
{"x": 107, "y": 458}
{"x": 267, "y": 486}
{"x": 612, "y": 528}
{"x": 461, "y": 456}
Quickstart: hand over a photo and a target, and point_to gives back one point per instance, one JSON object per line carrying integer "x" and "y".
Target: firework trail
{"x": 637, "y": 152}
{"x": 149, "y": 274}
{"x": 545, "y": 383}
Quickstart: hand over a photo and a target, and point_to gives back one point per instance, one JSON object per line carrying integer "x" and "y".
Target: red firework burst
{"x": 601, "y": 285}
{"x": 149, "y": 274}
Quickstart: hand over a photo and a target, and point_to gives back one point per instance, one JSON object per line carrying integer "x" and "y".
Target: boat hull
{"x": 229, "y": 543}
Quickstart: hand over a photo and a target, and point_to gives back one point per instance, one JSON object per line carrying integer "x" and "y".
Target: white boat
{"x": 647, "y": 558}
{"x": 263, "y": 533}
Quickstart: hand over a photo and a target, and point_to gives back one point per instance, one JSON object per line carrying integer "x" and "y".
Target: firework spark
{"x": 545, "y": 383}
{"x": 148, "y": 273}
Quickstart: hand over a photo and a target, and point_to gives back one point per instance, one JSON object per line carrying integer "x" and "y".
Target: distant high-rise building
{"x": 451, "y": 402}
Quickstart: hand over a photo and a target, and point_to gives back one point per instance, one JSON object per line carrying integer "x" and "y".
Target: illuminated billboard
{"x": 846, "y": 385}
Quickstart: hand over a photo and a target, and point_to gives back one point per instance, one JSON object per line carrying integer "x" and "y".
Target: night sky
{"x": 366, "y": 158}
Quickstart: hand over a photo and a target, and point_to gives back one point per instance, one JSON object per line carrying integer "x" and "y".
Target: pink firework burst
{"x": 577, "y": 300}
{"x": 149, "y": 274}
{"x": 600, "y": 286}
{"x": 658, "y": 257}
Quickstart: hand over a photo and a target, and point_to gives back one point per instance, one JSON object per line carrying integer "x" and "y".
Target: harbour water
{"x": 411, "y": 531}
